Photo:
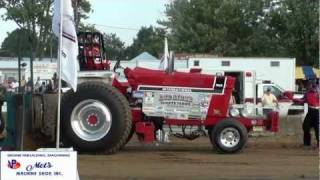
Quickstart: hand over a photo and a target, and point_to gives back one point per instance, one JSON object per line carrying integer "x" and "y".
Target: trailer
{"x": 280, "y": 71}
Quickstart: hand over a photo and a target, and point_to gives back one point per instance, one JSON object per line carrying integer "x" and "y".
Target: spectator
{"x": 10, "y": 86}
{"x": 269, "y": 101}
{"x": 6, "y": 84}
{"x": 300, "y": 85}
{"x": 49, "y": 87}
{"x": 29, "y": 85}
{"x": 311, "y": 120}
{"x": 37, "y": 85}
{"x": 55, "y": 82}
{"x": 15, "y": 85}
{"x": 22, "y": 85}
{"x": 2, "y": 123}
{"x": 42, "y": 88}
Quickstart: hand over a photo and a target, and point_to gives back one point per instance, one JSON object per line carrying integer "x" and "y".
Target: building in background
{"x": 43, "y": 69}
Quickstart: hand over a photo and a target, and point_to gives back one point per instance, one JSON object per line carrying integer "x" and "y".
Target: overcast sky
{"x": 122, "y": 17}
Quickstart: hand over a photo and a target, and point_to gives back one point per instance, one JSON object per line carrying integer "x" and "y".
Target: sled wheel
{"x": 229, "y": 136}
{"x": 95, "y": 118}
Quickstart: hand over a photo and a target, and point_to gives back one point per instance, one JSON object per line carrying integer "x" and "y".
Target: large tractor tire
{"x": 229, "y": 136}
{"x": 95, "y": 118}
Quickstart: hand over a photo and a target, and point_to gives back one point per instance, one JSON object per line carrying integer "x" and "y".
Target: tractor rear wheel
{"x": 229, "y": 136}
{"x": 95, "y": 118}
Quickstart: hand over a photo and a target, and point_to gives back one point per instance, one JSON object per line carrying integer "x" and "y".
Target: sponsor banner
{"x": 31, "y": 165}
{"x": 176, "y": 105}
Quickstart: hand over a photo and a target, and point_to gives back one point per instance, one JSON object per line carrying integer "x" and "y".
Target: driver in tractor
{"x": 93, "y": 53}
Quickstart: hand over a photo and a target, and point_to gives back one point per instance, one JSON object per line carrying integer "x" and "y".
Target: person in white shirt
{"x": 37, "y": 85}
{"x": 269, "y": 101}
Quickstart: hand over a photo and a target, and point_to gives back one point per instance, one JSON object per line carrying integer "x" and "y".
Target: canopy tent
{"x": 307, "y": 72}
{"x": 317, "y": 72}
{"x": 299, "y": 73}
{"x": 144, "y": 56}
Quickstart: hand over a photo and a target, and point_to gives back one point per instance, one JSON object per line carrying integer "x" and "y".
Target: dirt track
{"x": 263, "y": 158}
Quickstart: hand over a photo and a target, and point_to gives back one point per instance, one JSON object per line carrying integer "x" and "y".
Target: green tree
{"x": 87, "y": 27}
{"x": 81, "y": 10}
{"x": 16, "y": 44}
{"x": 213, "y": 26}
{"x": 114, "y": 47}
{"x": 285, "y": 28}
{"x": 36, "y": 17}
{"x": 295, "y": 25}
{"x": 148, "y": 39}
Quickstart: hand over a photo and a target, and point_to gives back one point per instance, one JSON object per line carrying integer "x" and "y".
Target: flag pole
{"x": 59, "y": 75}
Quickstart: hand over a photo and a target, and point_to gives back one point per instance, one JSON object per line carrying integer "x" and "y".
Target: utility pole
{"x": 76, "y": 12}
{"x": 19, "y": 62}
{"x": 51, "y": 49}
{"x": 32, "y": 55}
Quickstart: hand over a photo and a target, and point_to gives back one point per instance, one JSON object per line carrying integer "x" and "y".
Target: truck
{"x": 249, "y": 89}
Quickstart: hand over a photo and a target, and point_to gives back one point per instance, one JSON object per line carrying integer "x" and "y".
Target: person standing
{"x": 29, "y": 85}
{"x": 269, "y": 101}
{"x": 49, "y": 87}
{"x": 55, "y": 82}
{"x": 311, "y": 120}
{"x": 2, "y": 100}
{"x": 37, "y": 85}
{"x": 42, "y": 88}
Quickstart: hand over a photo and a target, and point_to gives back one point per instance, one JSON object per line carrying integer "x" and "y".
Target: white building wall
{"x": 283, "y": 75}
{"x": 44, "y": 70}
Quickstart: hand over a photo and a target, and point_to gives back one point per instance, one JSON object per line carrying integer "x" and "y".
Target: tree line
{"x": 256, "y": 28}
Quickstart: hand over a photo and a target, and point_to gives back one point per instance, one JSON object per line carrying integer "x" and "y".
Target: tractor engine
{"x": 179, "y": 96}
{"x": 174, "y": 107}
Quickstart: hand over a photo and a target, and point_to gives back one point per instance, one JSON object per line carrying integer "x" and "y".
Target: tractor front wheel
{"x": 229, "y": 136}
{"x": 95, "y": 118}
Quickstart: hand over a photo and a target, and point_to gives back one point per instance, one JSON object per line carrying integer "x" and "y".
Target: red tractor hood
{"x": 142, "y": 76}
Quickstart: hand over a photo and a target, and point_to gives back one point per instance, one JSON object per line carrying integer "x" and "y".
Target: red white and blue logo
{"x": 14, "y": 164}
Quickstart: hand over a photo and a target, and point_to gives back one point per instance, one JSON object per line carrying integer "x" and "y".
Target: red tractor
{"x": 104, "y": 113}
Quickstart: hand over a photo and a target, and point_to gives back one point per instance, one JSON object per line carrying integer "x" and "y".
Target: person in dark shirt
{"x": 311, "y": 120}
{"x": 2, "y": 99}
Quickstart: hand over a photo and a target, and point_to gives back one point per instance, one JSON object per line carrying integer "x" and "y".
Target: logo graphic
{"x": 13, "y": 164}
{"x": 39, "y": 165}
